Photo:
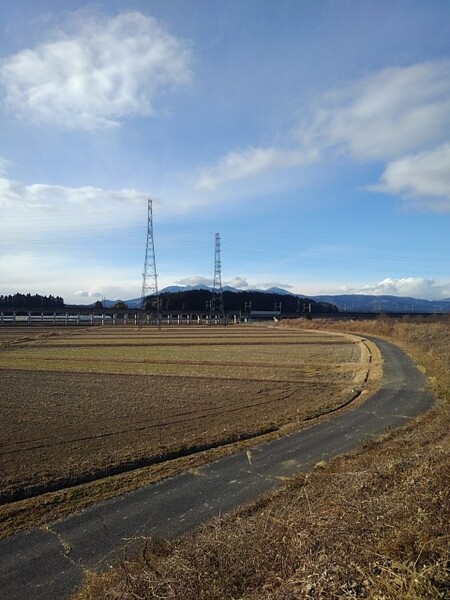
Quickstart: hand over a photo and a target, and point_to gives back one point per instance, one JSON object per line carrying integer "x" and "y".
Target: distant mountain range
{"x": 344, "y": 302}
{"x": 387, "y": 304}
{"x": 226, "y": 288}
{"x": 173, "y": 289}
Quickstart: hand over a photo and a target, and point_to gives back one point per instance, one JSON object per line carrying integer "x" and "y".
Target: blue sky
{"x": 314, "y": 136}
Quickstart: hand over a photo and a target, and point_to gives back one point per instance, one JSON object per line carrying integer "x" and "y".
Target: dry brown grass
{"x": 426, "y": 339}
{"x": 374, "y": 524}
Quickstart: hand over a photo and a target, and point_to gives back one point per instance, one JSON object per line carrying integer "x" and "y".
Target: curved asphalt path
{"x": 48, "y": 563}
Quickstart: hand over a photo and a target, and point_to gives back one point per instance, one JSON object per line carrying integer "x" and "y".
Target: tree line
{"x": 30, "y": 302}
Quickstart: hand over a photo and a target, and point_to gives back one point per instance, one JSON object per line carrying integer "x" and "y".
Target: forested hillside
{"x": 198, "y": 300}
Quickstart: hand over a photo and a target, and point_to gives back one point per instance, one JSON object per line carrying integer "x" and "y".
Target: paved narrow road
{"x": 48, "y": 563}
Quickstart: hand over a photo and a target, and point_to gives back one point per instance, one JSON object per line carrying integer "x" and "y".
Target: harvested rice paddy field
{"x": 82, "y": 404}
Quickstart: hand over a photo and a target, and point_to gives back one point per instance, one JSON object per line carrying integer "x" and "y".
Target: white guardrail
{"x": 113, "y": 318}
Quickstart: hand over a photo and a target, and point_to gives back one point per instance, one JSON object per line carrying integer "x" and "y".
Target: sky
{"x": 313, "y": 135}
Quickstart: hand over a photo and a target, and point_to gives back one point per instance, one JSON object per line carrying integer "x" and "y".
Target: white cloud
{"x": 248, "y": 162}
{"x": 394, "y": 111}
{"x": 47, "y": 234}
{"x": 399, "y": 116}
{"x": 4, "y": 165}
{"x": 66, "y": 240}
{"x": 274, "y": 284}
{"x": 111, "y": 68}
{"x": 42, "y": 207}
{"x": 195, "y": 280}
{"x": 415, "y": 287}
{"x": 88, "y": 294}
{"x": 424, "y": 178}
{"x": 237, "y": 282}
{"x": 59, "y": 275}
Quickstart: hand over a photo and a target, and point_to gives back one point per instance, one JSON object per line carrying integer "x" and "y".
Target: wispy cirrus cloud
{"x": 243, "y": 163}
{"x": 81, "y": 207}
{"x": 384, "y": 115}
{"x": 4, "y": 165}
{"x": 108, "y": 69}
{"x": 48, "y": 232}
{"x": 398, "y": 116}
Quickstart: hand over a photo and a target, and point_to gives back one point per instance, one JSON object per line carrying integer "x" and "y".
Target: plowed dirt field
{"x": 77, "y": 404}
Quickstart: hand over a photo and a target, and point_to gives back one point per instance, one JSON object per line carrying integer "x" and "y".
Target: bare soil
{"x": 79, "y": 405}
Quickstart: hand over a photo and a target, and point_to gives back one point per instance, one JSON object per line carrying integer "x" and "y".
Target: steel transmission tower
{"x": 217, "y": 294}
{"x": 149, "y": 276}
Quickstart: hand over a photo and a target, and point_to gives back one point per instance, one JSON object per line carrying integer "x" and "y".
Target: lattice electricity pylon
{"x": 149, "y": 276}
{"x": 217, "y": 293}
